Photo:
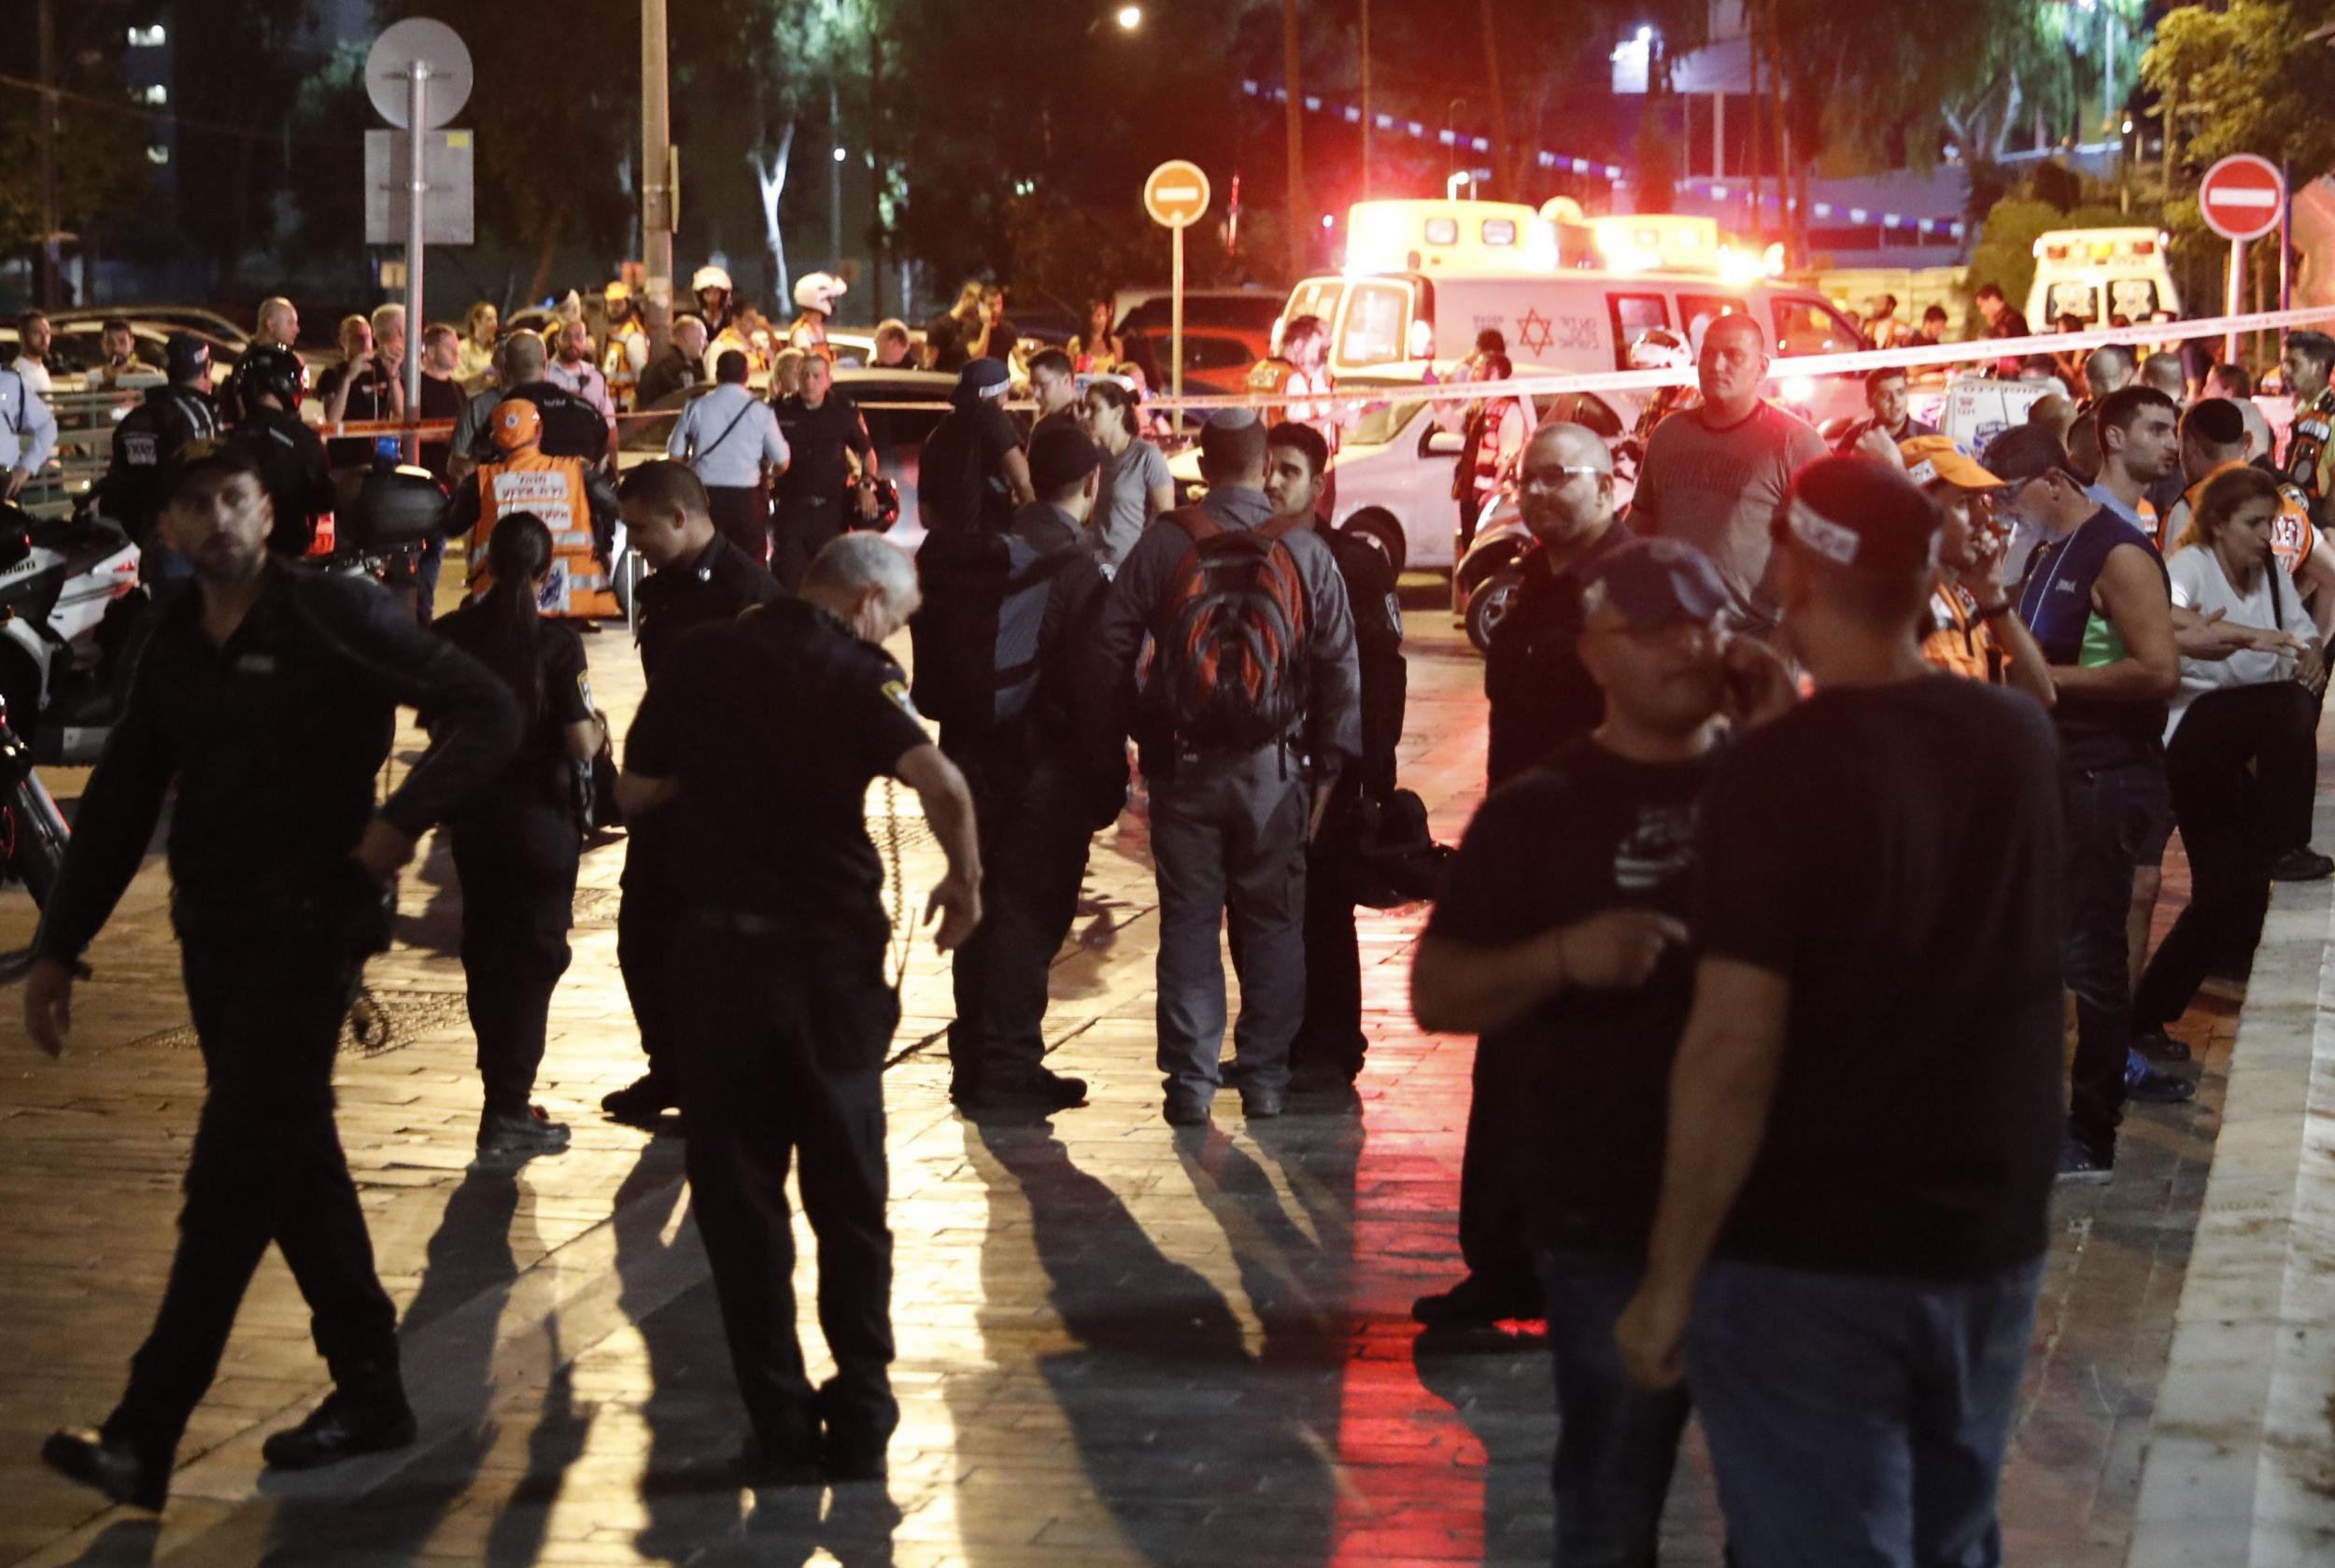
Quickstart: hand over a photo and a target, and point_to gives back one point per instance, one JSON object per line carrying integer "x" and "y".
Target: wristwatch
{"x": 1988, "y": 612}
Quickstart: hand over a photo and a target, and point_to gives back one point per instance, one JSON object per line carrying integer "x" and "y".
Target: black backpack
{"x": 975, "y": 636}
{"x": 1229, "y": 641}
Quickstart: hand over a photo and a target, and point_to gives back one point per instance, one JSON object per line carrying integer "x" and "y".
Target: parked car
{"x": 74, "y": 349}
{"x": 166, "y": 318}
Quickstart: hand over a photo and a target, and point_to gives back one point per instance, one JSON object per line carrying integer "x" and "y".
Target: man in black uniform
{"x": 823, "y": 430}
{"x": 1542, "y": 697}
{"x": 697, "y": 577}
{"x": 1329, "y": 1050}
{"x": 269, "y": 699}
{"x": 148, "y": 438}
{"x": 291, "y": 456}
{"x": 762, "y": 735}
{"x": 572, "y": 427}
{"x": 1045, "y": 779}
{"x": 972, "y": 472}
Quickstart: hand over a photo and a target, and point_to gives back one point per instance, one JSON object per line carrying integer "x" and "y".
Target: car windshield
{"x": 1380, "y": 422}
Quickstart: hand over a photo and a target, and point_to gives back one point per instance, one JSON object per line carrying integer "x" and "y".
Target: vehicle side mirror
{"x": 1443, "y": 444}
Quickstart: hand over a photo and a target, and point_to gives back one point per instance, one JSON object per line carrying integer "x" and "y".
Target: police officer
{"x": 1045, "y": 779}
{"x": 290, "y": 455}
{"x": 823, "y": 484}
{"x": 762, "y": 735}
{"x": 516, "y": 841}
{"x": 697, "y": 577}
{"x": 1328, "y": 1050}
{"x": 571, "y": 427}
{"x": 31, "y": 428}
{"x": 153, "y": 433}
{"x": 268, "y": 696}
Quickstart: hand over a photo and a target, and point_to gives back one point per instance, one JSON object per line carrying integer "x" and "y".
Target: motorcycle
{"x": 33, "y": 832}
{"x": 70, "y": 601}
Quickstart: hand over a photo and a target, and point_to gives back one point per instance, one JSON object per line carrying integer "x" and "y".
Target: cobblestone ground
{"x": 1119, "y": 1344}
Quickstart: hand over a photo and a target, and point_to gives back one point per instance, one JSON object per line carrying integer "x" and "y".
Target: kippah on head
{"x": 1061, "y": 457}
{"x": 1865, "y": 515}
{"x": 2217, "y": 421}
{"x": 1232, "y": 441}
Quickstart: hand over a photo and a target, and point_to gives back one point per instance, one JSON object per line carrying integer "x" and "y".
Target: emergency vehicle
{"x": 2094, "y": 274}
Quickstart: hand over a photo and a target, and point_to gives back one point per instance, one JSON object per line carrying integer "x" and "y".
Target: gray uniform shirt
{"x": 1333, "y": 720}
{"x": 1718, "y": 492}
{"x": 726, "y": 455}
{"x": 30, "y": 427}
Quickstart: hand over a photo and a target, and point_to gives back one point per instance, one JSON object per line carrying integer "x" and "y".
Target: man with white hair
{"x": 759, "y": 739}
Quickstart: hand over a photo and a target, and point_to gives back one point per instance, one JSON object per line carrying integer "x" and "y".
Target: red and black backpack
{"x": 1229, "y": 641}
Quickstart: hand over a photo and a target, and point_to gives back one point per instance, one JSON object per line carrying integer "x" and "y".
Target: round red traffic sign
{"x": 2241, "y": 197}
{"x": 1176, "y": 193}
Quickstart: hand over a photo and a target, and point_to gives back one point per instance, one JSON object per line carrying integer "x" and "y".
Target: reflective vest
{"x": 2292, "y": 537}
{"x": 616, "y": 361}
{"x": 553, "y": 489}
{"x": 2311, "y": 452}
{"x": 1956, "y": 641}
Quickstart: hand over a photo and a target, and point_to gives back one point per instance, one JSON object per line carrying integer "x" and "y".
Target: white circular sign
{"x": 388, "y": 71}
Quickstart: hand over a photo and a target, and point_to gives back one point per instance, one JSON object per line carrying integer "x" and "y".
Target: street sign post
{"x": 2241, "y": 198}
{"x": 1176, "y": 196}
{"x": 419, "y": 76}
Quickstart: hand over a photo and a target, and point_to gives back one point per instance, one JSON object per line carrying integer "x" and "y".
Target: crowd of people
{"x": 1804, "y": 750}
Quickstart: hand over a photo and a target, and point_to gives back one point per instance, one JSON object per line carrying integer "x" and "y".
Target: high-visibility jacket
{"x": 622, "y": 359}
{"x": 1956, "y": 641}
{"x": 2292, "y": 537}
{"x": 556, "y": 491}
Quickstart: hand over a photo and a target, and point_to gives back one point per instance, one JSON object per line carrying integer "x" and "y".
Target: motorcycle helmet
{"x": 887, "y": 509}
{"x": 819, "y": 292}
{"x": 518, "y": 424}
{"x": 271, "y": 371}
{"x": 709, "y": 277}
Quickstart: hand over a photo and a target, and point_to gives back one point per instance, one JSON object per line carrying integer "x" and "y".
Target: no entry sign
{"x": 1176, "y": 193}
{"x": 2241, "y": 197}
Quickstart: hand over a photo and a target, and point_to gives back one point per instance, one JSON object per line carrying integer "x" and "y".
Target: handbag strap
{"x": 699, "y": 454}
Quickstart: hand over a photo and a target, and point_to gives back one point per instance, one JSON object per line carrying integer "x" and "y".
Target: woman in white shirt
{"x": 2240, "y": 744}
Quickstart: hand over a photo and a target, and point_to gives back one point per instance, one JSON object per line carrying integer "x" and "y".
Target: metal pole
{"x": 51, "y": 254}
{"x": 1175, "y": 316}
{"x": 1367, "y": 124}
{"x": 417, "y": 189}
{"x": 655, "y": 181}
{"x": 835, "y": 183}
{"x": 2233, "y": 297}
{"x": 1295, "y": 211}
{"x": 2285, "y": 234}
{"x": 1719, "y": 135}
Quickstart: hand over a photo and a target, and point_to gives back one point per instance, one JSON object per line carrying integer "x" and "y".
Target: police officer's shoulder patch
{"x": 584, "y": 688}
{"x": 896, "y": 692}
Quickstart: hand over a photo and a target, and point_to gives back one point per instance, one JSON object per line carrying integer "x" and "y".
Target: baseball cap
{"x": 981, "y": 379}
{"x": 1059, "y": 457}
{"x": 1855, "y": 513}
{"x": 1656, "y": 582}
{"x": 1232, "y": 441}
{"x": 201, "y": 458}
{"x": 2025, "y": 452}
{"x": 1939, "y": 459}
{"x": 185, "y": 355}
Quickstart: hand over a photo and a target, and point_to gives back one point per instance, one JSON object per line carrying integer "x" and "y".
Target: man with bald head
{"x": 279, "y": 323}
{"x": 1714, "y": 474}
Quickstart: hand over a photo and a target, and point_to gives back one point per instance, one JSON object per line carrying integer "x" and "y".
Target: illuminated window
{"x": 149, "y": 38}
{"x": 1499, "y": 231}
{"x": 1442, "y": 230}
{"x": 154, "y": 94}
{"x": 158, "y": 155}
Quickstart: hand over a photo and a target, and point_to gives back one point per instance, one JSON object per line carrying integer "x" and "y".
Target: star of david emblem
{"x": 1532, "y": 332}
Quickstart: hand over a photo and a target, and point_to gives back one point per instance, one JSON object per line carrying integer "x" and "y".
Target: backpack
{"x": 975, "y": 636}
{"x": 1270, "y": 378}
{"x": 1230, "y": 637}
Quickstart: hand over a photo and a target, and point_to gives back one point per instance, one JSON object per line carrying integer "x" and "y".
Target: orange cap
{"x": 518, "y": 423}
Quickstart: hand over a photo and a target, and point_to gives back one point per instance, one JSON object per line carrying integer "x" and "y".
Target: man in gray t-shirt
{"x": 1714, "y": 474}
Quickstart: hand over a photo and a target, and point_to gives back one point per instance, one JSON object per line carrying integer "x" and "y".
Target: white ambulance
{"x": 2096, "y": 274}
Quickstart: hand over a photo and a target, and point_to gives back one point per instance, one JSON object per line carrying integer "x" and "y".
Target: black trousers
{"x": 2241, "y": 761}
{"x": 648, "y": 935}
{"x": 804, "y": 526}
{"x": 1331, "y": 1036}
{"x": 743, "y": 515}
{"x": 1034, "y": 842}
{"x": 268, "y": 993}
{"x": 1494, "y": 1225}
{"x": 759, "y": 1088}
{"x": 518, "y": 868}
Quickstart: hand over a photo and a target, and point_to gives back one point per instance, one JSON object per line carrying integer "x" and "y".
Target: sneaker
{"x": 2144, "y": 1084}
{"x": 522, "y": 1133}
{"x": 2078, "y": 1163}
{"x": 343, "y": 1427}
{"x": 2302, "y": 865}
{"x": 1477, "y": 1301}
{"x": 2159, "y": 1046}
{"x": 1039, "y": 1090}
{"x": 642, "y": 1103}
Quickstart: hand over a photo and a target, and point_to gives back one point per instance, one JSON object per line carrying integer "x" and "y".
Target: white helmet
{"x": 1658, "y": 348}
{"x": 709, "y": 277}
{"x": 819, "y": 292}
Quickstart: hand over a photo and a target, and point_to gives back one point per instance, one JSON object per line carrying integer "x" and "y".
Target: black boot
{"x": 124, "y": 1470}
{"x": 346, "y": 1425}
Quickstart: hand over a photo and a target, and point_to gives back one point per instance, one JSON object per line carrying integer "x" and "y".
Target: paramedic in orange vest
{"x": 573, "y": 500}
{"x": 1974, "y": 629}
{"x": 2214, "y": 439}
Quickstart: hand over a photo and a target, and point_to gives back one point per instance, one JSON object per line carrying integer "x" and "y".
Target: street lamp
{"x": 1452, "y": 186}
{"x": 1130, "y": 18}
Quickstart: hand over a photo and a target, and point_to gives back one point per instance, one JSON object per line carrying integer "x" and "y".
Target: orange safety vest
{"x": 2292, "y": 537}
{"x": 1958, "y": 642}
{"x": 553, "y": 488}
{"x": 1269, "y": 377}
{"x": 615, "y": 363}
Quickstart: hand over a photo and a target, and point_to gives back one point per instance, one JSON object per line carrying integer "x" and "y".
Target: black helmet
{"x": 273, "y": 370}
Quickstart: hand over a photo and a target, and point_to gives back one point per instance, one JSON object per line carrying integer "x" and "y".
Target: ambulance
{"x": 2094, "y": 274}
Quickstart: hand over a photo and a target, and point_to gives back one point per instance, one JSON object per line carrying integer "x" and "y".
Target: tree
{"x": 2248, "y": 79}
{"x": 102, "y": 172}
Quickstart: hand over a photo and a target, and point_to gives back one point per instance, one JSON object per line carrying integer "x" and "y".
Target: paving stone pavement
{"x": 1119, "y": 1343}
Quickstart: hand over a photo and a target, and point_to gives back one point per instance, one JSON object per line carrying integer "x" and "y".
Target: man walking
{"x": 730, "y": 441}
{"x": 1847, "y": 1255}
{"x": 1247, "y": 716}
{"x": 267, "y": 698}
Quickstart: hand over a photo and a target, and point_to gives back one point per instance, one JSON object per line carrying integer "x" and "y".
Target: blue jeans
{"x": 1859, "y": 1421}
{"x": 2117, "y": 820}
{"x": 1617, "y": 1444}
